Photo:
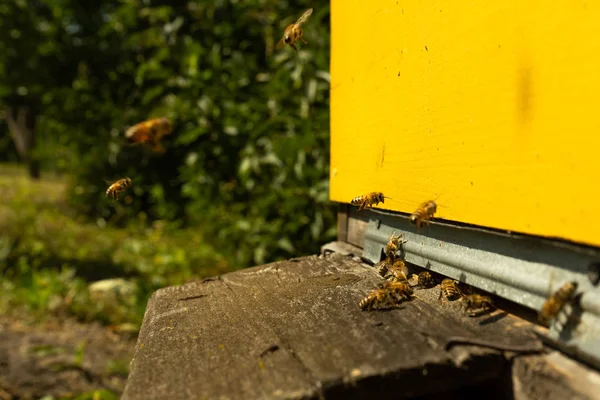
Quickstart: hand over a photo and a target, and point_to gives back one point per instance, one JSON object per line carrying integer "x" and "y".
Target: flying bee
{"x": 449, "y": 289}
{"x": 556, "y": 302}
{"x": 394, "y": 245}
{"x": 425, "y": 280}
{"x": 478, "y": 301}
{"x": 423, "y": 214}
{"x": 368, "y": 200}
{"x": 117, "y": 187}
{"x": 294, "y": 32}
{"x": 150, "y": 132}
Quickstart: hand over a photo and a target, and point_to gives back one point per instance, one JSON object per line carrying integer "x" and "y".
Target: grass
{"x": 53, "y": 261}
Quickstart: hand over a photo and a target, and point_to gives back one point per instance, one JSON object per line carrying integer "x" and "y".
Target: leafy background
{"x": 244, "y": 180}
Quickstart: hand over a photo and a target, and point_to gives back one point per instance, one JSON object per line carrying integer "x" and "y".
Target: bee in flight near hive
{"x": 556, "y": 302}
{"x": 368, "y": 200}
{"x": 117, "y": 187}
{"x": 425, "y": 280}
{"x": 423, "y": 214}
{"x": 294, "y": 32}
{"x": 150, "y": 132}
{"x": 393, "y": 245}
{"x": 449, "y": 289}
{"x": 478, "y": 302}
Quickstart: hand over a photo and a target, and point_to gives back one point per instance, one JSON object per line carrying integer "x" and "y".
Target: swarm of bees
{"x": 398, "y": 288}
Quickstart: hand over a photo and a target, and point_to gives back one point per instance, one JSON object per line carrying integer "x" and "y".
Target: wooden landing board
{"x": 294, "y": 330}
{"x": 553, "y": 377}
{"x": 488, "y": 107}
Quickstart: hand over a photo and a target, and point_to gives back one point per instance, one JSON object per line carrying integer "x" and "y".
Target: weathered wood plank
{"x": 294, "y": 330}
{"x": 553, "y": 377}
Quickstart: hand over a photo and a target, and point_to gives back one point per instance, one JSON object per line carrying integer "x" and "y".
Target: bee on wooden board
{"x": 150, "y": 132}
{"x": 384, "y": 267}
{"x": 389, "y": 293}
{"x": 368, "y": 200}
{"x": 117, "y": 187}
{"x": 393, "y": 245}
{"x": 449, "y": 289}
{"x": 294, "y": 32}
{"x": 425, "y": 280}
{"x": 478, "y": 302}
{"x": 556, "y": 302}
{"x": 375, "y": 298}
{"x": 398, "y": 272}
{"x": 423, "y": 214}
{"x": 399, "y": 290}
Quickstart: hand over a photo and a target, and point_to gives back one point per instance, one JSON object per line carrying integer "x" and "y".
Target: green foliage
{"x": 248, "y": 161}
{"x": 246, "y": 168}
{"x": 48, "y": 258}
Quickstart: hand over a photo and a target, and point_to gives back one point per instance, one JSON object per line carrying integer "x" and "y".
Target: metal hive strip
{"x": 525, "y": 270}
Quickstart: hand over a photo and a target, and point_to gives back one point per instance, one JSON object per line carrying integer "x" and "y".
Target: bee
{"x": 425, "y": 280}
{"x": 449, "y": 289}
{"x": 293, "y": 32}
{"x": 398, "y": 290}
{"x": 150, "y": 132}
{"x": 478, "y": 301}
{"x": 393, "y": 245}
{"x": 117, "y": 187}
{"x": 556, "y": 302}
{"x": 423, "y": 214}
{"x": 389, "y": 293}
{"x": 384, "y": 267}
{"x": 375, "y": 298}
{"x": 368, "y": 200}
{"x": 398, "y": 272}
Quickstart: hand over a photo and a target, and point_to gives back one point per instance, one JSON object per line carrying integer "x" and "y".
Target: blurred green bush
{"x": 248, "y": 162}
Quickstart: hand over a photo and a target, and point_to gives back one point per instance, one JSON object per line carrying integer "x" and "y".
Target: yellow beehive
{"x": 492, "y": 108}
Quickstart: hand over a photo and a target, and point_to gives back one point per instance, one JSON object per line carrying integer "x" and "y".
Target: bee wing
{"x": 304, "y": 17}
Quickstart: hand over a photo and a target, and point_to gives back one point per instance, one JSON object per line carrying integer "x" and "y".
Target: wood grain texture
{"x": 490, "y": 108}
{"x": 293, "y": 329}
{"x": 553, "y": 377}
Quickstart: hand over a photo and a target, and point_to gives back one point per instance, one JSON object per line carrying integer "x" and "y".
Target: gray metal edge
{"x": 525, "y": 270}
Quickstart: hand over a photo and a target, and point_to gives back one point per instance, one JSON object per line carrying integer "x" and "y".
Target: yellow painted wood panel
{"x": 492, "y": 107}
